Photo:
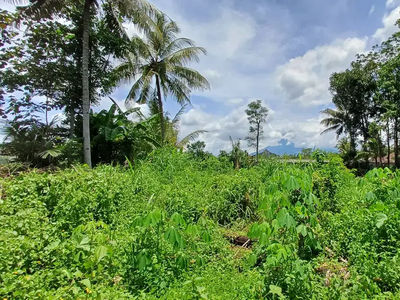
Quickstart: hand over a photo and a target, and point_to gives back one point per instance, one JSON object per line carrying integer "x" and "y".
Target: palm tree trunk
{"x": 365, "y": 148}
{"x": 396, "y": 145}
{"x": 85, "y": 84}
{"x": 257, "y": 141}
{"x": 72, "y": 123}
{"x": 353, "y": 150}
{"x": 380, "y": 143}
{"x": 47, "y": 111}
{"x": 161, "y": 109}
{"x": 388, "y": 142}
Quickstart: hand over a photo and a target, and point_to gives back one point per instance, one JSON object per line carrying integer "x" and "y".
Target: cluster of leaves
{"x": 366, "y": 107}
{"x": 157, "y": 230}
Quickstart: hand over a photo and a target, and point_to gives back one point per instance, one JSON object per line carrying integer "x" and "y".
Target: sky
{"x": 279, "y": 51}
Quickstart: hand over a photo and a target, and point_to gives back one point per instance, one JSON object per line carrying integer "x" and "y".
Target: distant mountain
{"x": 264, "y": 152}
{"x": 286, "y": 147}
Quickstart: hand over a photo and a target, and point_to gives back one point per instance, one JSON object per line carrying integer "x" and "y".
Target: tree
{"x": 306, "y": 153}
{"x": 161, "y": 59}
{"x": 237, "y": 154}
{"x": 375, "y": 143}
{"x": 389, "y": 84}
{"x": 345, "y": 150}
{"x": 257, "y": 115}
{"x": 353, "y": 92}
{"x": 340, "y": 121}
{"x": 47, "y": 63}
{"x": 197, "y": 149}
{"x": 27, "y": 138}
{"x": 135, "y": 9}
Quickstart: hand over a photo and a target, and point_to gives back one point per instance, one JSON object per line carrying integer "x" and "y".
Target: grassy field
{"x": 166, "y": 229}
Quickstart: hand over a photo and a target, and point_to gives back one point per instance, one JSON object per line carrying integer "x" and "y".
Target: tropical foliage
{"x": 366, "y": 107}
{"x": 41, "y": 76}
{"x": 167, "y": 228}
{"x": 160, "y": 61}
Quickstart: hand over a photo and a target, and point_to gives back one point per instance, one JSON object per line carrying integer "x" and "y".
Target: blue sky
{"x": 279, "y": 51}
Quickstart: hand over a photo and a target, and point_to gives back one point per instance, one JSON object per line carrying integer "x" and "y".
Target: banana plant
{"x": 116, "y": 135}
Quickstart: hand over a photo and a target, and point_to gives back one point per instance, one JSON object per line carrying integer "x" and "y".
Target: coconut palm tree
{"x": 340, "y": 122}
{"x": 159, "y": 62}
{"x": 137, "y": 10}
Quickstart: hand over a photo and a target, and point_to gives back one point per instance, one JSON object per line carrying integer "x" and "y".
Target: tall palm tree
{"x": 340, "y": 122}
{"x": 159, "y": 64}
{"x": 137, "y": 10}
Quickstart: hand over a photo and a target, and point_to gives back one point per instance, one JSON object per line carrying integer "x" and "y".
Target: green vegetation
{"x": 159, "y": 217}
{"x": 366, "y": 107}
{"x": 163, "y": 230}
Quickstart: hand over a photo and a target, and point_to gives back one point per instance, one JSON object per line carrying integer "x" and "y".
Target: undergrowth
{"x": 158, "y": 231}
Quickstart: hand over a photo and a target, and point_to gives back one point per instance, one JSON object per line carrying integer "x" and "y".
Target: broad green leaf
{"x": 275, "y": 290}
{"x": 272, "y": 189}
{"x": 263, "y": 239}
{"x": 68, "y": 273}
{"x": 290, "y": 221}
{"x": 100, "y": 253}
{"x": 86, "y": 282}
{"x": 178, "y": 219}
{"x": 81, "y": 241}
{"x": 313, "y": 221}
{"x": 370, "y": 196}
{"x": 144, "y": 260}
{"x": 170, "y": 235}
{"x": 302, "y": 229}
{"x": 380, "y": 219}
{"x": 292, "y": 183}
{"x": 378, "y": 206}
{"x": 202, "y": 222}
{"x": 254, "y": 231}
{"x": 182, "y": 261}
{"x": 281, "y": 217}
{"x": 53, "y": 245}
{"x": 252, "y": 259}
{"x": 192, "y": 229}
{"x": 206, "y": 237}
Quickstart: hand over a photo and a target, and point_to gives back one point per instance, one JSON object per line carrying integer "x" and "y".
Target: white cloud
{"x": 236, "y": 45}
{"x": 234, "y": 101}
{"x": 305, "y": 79}
{"x": 278, "y": 126}
{"x": 7, "y": 6}
{"x": 391, "y": 3}
{"x": 372, "y": 10}
{"x": 389, "y": 25}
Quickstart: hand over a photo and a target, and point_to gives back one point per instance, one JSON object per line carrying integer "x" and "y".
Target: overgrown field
{"x": 163, "y": 229}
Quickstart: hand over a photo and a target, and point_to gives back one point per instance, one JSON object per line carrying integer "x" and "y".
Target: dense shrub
{"x": 157, "y": 230}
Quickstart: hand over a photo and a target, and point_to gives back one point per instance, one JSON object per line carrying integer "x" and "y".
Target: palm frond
{"x": 55, "y": 152}
{"x": 176, "y": 45}
{"x": 190, "y": 137}
{"x": 190, "y": 77}
{"x": 177, "y": 89}
{"x": 185, "y": 56}
{"x": 179, "y": 114}
{"x": 116, "y": 105}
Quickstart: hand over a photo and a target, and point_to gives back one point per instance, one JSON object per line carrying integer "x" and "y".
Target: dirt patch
{"x": 240, "y": 241}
